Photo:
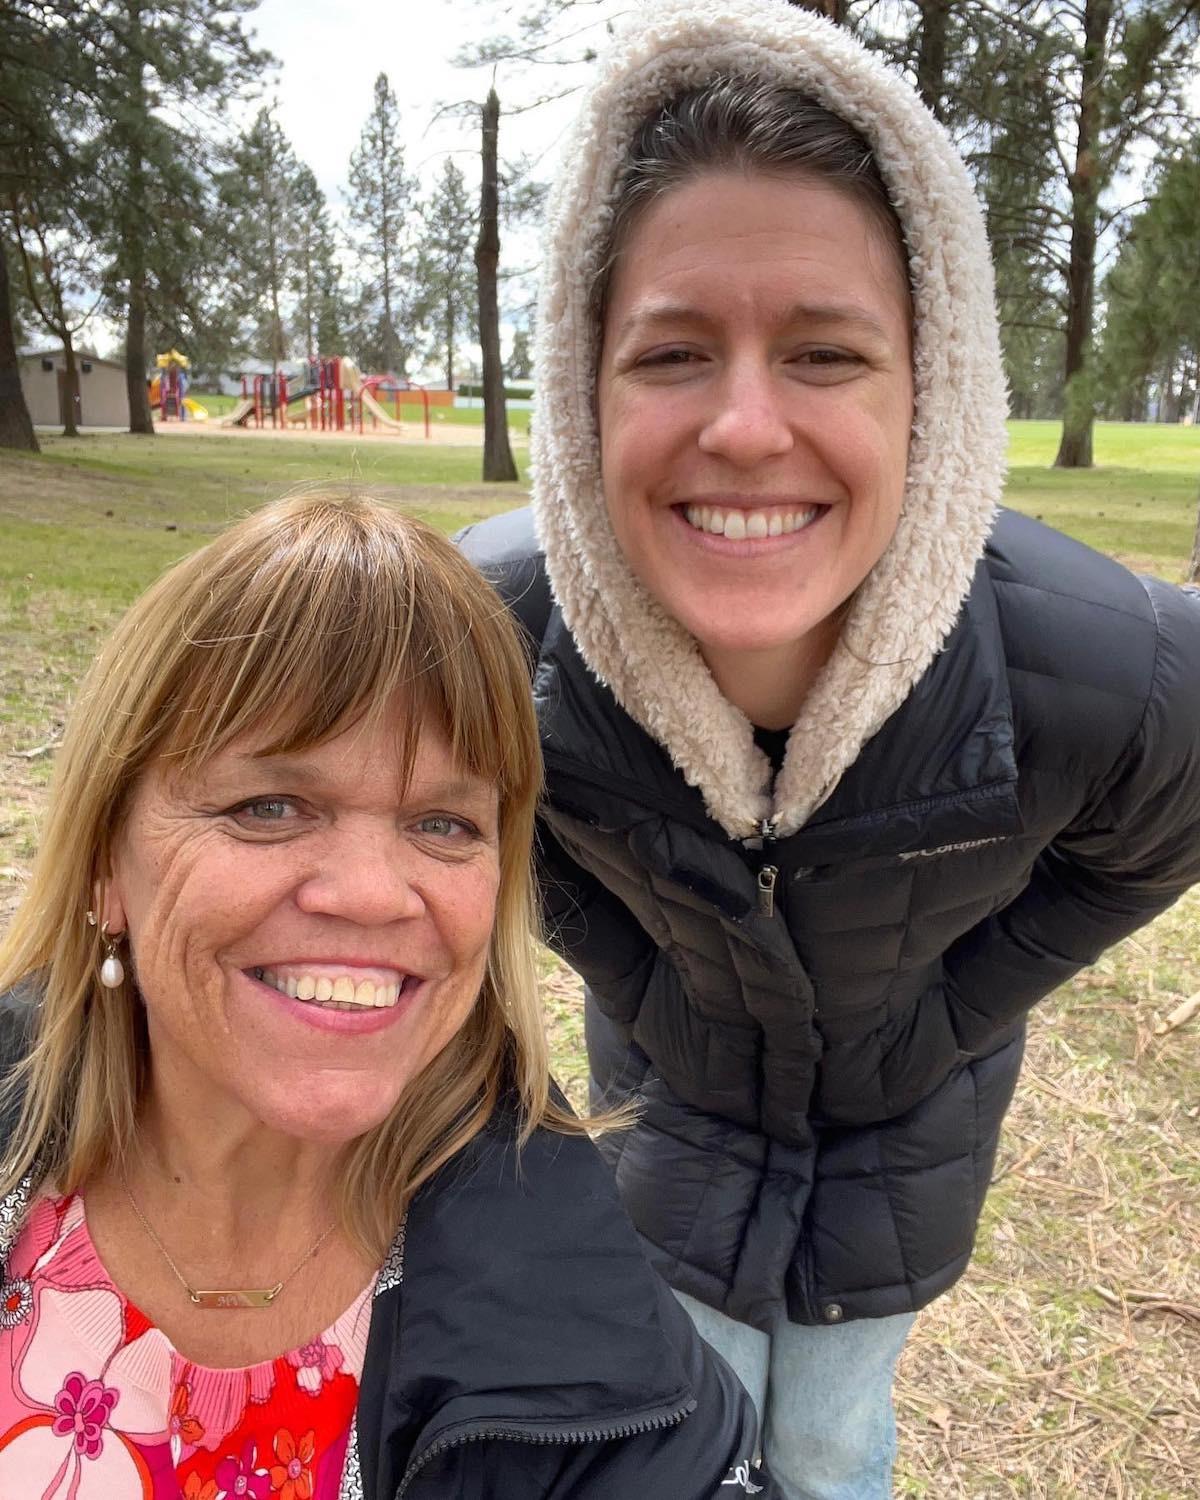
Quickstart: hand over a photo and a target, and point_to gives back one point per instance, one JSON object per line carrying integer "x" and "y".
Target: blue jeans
{"x": 823, "y": 1396}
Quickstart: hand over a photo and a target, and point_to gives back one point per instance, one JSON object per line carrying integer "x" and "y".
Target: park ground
{"x": 1067, "y": 1363}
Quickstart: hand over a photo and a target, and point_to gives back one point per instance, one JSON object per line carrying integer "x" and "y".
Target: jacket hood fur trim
{"x": 904, "y": 610}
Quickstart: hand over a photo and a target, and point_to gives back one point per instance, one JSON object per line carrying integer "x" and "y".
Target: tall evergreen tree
{"x": 319, "y": 320}
{"x": 260, "y": 192}
{"x": 445, "y": 273}
{"x": 1150, "y": 344}
{"x": 164, "y": 71}
{"x": 49, "y": 180}
{"x": 1047, "y": 102}
{"x": 40, "y": 77}
{"x": 381, "y": 202}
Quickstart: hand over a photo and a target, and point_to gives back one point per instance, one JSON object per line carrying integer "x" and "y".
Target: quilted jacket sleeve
{"x": 1135, "y": 852}
{"x": 589, "y": 927}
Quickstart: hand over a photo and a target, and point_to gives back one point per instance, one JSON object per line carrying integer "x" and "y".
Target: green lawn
{"x": 453, "y": 416}
{"x": 1064, "y": 1366}
{"x": 1139, "y": 502}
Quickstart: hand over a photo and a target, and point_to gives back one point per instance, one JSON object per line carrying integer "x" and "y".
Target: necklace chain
{"x": 225, "y": 1298}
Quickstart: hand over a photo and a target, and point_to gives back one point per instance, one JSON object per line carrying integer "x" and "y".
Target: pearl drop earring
{"x": 112, "y": 970}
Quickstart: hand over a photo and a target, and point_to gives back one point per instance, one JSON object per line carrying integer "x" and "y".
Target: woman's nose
{"x": 367, "y": 880}
{"x": 749, "y": 422}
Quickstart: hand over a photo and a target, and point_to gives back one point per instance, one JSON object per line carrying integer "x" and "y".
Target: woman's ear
{"x": 108, "y": 905}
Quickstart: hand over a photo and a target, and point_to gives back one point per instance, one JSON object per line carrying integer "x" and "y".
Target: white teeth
{"x": 340, "y": 989}
{"x": 755, "y": 524}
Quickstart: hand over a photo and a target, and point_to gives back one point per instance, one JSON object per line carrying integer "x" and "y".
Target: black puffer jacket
{"x": 826, "y": 1052}
{"x": 519, "y": 1347}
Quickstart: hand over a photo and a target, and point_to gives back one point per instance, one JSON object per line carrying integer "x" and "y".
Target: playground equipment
{"x": 332, "y": 396}
{"x": 168, "y": 390}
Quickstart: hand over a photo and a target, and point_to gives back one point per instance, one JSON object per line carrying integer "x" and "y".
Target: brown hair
{"x": 743, "y": 125}
{"x": 307, "y": 617}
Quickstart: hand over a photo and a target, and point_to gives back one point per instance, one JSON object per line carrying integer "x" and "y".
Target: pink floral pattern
{"x": 95, "y": 1403}
{"x": 238, "y": 1476}
{"x": 84, "y": 1407}
{"x": 315, "y": 1364}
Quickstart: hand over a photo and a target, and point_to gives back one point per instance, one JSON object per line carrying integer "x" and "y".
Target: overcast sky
{"x": 331, "y": 54}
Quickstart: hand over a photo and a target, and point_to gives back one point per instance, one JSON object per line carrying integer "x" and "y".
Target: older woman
{"x": 288, "y": 1208}
{"x": 846, "y": 768}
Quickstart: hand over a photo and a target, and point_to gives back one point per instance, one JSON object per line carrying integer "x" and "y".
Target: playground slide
{"x": 373, "y": 407}
{"x": 238, "y": 415}
{"x": 198, "y": 413}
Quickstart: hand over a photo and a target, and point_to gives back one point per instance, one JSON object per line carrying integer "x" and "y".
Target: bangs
{"x": 315, "y": 616}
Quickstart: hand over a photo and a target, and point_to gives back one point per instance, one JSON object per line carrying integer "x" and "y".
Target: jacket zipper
{"x": 564, "y": 1435}
{"x": 767, "y": 874}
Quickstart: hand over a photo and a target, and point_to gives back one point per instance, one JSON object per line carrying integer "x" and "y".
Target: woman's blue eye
{"x": 442, "y": 825}
{"x": 265, "y": 809}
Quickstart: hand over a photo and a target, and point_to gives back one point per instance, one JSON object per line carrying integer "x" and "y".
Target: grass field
{"x": 1067, "y": 1363}
{"x": 448, "y": 416}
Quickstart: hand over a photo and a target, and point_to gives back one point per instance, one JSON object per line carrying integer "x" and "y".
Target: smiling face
{"x": 307, "y": 934}
{"x": 755, "y": 400}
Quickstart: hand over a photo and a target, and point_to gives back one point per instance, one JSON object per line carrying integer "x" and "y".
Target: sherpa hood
{"x": 904, "y": 610}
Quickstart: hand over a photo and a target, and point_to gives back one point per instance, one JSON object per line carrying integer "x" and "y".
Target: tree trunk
{"x": 134, "y": 227}
{"x": 141, "y": 421}
{"x": 451, "y": 325}
{"x": 931, "y": 55}
{"x": 1075, "y": 447}
{"x": 16, "y": 426}
{"x": 831, "y": 8}
{"x": 498, "y": 462}
{"x": 70, "y": 385}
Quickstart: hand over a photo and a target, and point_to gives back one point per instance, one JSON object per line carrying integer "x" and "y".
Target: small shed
{"x": 103, "y": 401}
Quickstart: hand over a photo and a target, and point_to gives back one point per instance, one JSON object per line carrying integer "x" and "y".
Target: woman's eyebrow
{"x": 843, "y": 314}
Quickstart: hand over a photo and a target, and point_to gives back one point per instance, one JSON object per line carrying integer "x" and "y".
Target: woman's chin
{"x": 331, "y": 1116}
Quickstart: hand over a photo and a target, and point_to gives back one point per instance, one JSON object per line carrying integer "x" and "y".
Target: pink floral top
{"x": 95, "y": 1403}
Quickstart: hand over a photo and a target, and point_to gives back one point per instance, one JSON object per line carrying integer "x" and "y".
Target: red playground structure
{"x": 332, "y": 396}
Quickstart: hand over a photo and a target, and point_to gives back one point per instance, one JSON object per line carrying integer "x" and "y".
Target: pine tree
{"x": 163, "y": 70}
{"x": 381, "y": 202}
{"x": 1151, "y": 336}
{"x": 445, "y": 273}
{"x": 39, "y": 81}
{"x": 316, "y": 273}
{"x": 48, "y": 177}
{"x": 1047, "y": 102}
{"x": 260, "y": 191}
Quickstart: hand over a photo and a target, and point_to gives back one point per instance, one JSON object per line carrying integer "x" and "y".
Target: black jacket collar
{"x": 906, "y": 787}
{"x": 525, "y": 1305}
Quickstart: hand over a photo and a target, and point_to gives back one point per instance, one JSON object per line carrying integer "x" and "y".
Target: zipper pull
{"x": 767, "y": 877}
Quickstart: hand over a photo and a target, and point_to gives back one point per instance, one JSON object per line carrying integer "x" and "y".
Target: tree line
{"x": 123, "y": 192}
{"x": 121, "y": 189}
{"x": 1074, "y": 119}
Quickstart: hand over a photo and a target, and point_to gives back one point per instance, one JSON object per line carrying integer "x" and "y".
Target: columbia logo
{"x": 739, "y": 1476}
{"x": 952, "y": 848}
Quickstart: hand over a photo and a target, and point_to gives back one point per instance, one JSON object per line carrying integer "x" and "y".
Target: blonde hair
{"x": 307, "y": 617}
